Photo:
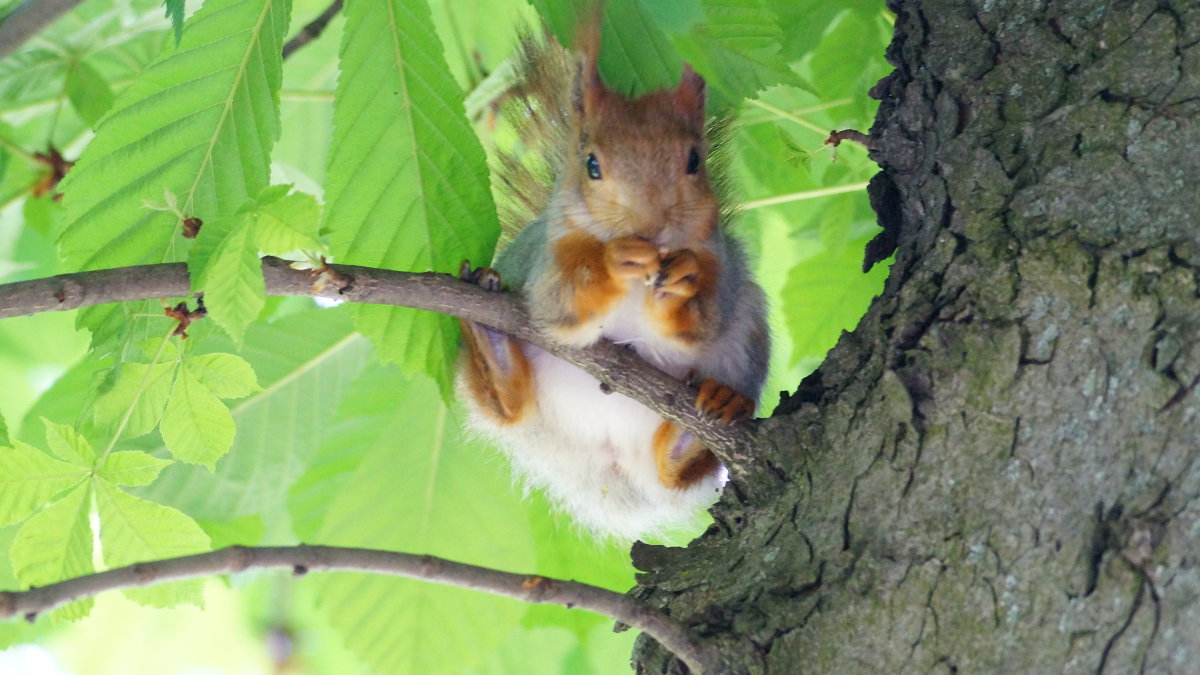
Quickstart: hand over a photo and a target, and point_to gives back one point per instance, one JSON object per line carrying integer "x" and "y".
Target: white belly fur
{"x": 591, "y": 451}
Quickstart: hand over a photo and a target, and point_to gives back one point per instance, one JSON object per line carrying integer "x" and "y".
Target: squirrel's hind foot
{"x": 722, "y": 402}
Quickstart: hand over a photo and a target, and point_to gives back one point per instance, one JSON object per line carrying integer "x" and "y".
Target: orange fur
{"x": 507, "y": 397}
{"x": 718, "y": 400}
{"x": 682, "y": 307}
{"x": 682, "y": 472}
{"x": 580, "y": 258}
{"x": 625, "y": 248}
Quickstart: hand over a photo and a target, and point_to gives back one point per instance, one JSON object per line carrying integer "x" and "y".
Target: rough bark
{"x": 996, "y": 471}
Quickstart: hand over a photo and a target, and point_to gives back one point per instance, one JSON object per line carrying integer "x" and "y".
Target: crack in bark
{"x": 1112, "y": 640}
{"x": 930, "y": 611}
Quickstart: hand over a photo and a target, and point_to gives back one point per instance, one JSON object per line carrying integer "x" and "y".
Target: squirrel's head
{"x": 639, "y": 164}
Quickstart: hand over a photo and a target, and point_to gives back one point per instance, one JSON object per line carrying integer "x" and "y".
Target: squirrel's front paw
{"x": 720, "y": 401}
{"x": 679, "y": 275}
{"x": 632, "y": 258}
{"x": 485, "y": 277}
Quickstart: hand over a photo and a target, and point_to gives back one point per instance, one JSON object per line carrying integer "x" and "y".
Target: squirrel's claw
{"x": 632, "y": 258}
{"x": 723, "y": 402}
{"x": 679, "y": 275}
{"x": 485, "y": 277}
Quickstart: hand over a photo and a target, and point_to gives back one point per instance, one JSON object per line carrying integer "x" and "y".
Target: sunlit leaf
{"x": 245, "y": 531}
{"x": 225, "y": 375}
{"x": 232, "y": 280}
{"x": 131, "y": 467}
{"x": 196, "y": 426}
{"x": 134, "y": 530}
{"x": 68, "y": 445}
{"x": 56, "y": 544}
{"x": 279, "y": 427}
{"x": 141, "y": 391}
{"x": 29, "y": 478}
{"x": 199, "y": 122}
{"x": 287, "y": 224}
{"x": 829, "y": 292}
{"x": 408, "y": 182}
{"x": 89, "y": 92}
{"x": 446, "y": 499}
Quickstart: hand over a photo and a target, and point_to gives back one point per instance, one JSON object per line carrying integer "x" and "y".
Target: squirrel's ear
{"x": 589, "y": 88}
{"x": 689, "y": 96}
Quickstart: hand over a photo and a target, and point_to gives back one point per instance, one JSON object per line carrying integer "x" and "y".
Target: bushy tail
{"x": 537, "y": 108}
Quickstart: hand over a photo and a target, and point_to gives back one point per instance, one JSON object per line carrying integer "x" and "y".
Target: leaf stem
{"x": 806, "y": 194}
{"x": 791, "y": 116}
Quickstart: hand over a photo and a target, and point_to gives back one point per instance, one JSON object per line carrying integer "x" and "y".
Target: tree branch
{"x": 616, "y": 367}
{"x": 303, "y": 559}
{"x": 313, "y": 29}
{"x": 28, "y": 20}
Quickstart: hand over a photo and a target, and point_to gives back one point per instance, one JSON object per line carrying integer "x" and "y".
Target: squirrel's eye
{"x": 693, "y": 164}
{"x": 593, "y": 167}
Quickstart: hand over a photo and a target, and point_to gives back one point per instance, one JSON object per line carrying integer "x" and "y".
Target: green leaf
{"x": 287, "y": 224}
{"x": 232, "y": 281}
{"x": 635, "y": 54}
{"x": 16, "y": 632}
{"x": 196, "y": 425}
{"x": 674, "y": 17}
{"x": 407, "y": 183}
{"x": 43, "y": 215}
{"x": 835, "y": 70}
{"x": 793, "y": 154}
{"x": 131, "y": 467}
{"x": 449, "y": 499}
{"x": 135, "y": 530}
{"x": 158, "y": 349}
{"x": 245, "y": 531}
{"x": 198, "y": 122}
{"x": 279, "y": 427}
{"x": 826, "y": 295}
{"x": 807, "y": 21}
{"x": 72, "y": 396}
{"x": 30, "y": 74}
{"x": 154, "y": 385}
{"x": 225, "y": 375}
{"x": 174, "y": 11}
{"x": 56, "y": 544}
{"x": 29, "y": 478}
{"x": 4, "y": 432}
{"x": 737, "y": 50}
{"x": 68, "y": 445}
{"x": 411, "y": 338}
{"x": 88, "y": 92}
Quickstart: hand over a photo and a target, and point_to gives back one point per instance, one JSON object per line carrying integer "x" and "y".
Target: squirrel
{"x": 630, "y": 248}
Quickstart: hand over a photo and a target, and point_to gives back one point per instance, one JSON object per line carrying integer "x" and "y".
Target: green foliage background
{"x": 278, "y": 421}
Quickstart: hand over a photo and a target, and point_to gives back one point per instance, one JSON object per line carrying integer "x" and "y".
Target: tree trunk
{"x": 996, "y": 470}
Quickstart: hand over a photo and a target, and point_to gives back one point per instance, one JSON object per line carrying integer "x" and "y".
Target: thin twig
{"x": 28, "y": 20}
{"x": 303, "y": 559}
{"x": 836, "y": 137}
{"x": 616, "y": 367}
{"x": 313, "y": 29}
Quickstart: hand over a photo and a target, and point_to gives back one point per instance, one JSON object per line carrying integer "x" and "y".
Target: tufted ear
{"x": 589, "y": 89}
{"x": 690, "y": 96}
